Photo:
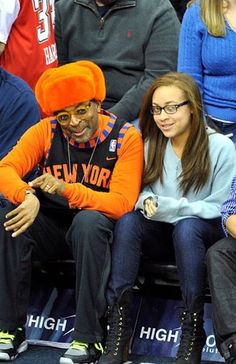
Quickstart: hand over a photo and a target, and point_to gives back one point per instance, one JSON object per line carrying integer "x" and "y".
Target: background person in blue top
{"x": 221, "y": 260}
{"x": 186, "y": 178}
{"x": 133, "y": 41}
{"x": 18, "y": 110}
{"x": 207, "y": 51}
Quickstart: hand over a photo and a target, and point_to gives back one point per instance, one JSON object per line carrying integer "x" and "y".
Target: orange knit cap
{"x": 73, "y": 83}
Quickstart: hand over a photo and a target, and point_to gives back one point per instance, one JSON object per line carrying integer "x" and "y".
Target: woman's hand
{"x": 150, "y": 207}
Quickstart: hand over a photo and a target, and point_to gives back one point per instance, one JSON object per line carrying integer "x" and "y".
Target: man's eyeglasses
{"x": 64, "y": 117}
{"x": 169, "y": 109}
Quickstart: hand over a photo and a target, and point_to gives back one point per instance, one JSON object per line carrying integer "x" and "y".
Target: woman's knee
{"x": 128, "y": 221}
{"x": 128, "y": 227}
{"x": 184, "y": 231}
{"x": 185, "y": 226}
{"x": 127, "y": 237}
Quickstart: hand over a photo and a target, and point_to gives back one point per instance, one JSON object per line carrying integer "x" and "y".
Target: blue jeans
{"x": 187, "y": 241}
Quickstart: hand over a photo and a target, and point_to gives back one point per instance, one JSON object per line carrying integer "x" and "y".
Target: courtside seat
{"x": 161, "y": 273}
{"x": 154, "y": 278}
{"x": 58, "y": 273}
{"x": 61, "y": 273}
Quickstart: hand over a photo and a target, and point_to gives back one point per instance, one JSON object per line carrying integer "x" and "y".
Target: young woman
{"x": 207, "y": 51}
{"x": 186, "y": 178}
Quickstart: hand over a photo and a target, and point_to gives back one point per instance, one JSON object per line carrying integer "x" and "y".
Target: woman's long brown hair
{"x": 195, "y": 158}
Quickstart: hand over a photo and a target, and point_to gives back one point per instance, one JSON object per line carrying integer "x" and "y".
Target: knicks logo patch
{"x": 112, "y": 147}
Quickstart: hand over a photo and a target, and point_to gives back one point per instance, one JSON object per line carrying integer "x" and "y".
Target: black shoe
{"x": 232, "y": 353}
{"x": 82, "y": 353}
{"x": 228, "y": 349}
{"x": 193, "y": 338}
{"x": 119, "y": 331}
{"x": 12, "y": 344}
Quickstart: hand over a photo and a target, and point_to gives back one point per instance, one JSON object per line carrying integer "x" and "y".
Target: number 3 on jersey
{"x": 46, "y": 13}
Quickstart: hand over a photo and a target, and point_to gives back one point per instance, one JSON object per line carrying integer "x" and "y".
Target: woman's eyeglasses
{"x": 169, "y": 109}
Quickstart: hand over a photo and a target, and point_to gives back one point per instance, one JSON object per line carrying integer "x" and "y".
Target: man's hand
{"x": 49, "y": 184}
{"x": 21, "y": 218}
{"x": 231, "y": 225}
{"x": 150, "y": 207}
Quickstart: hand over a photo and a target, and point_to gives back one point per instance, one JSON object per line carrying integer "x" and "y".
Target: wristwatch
{"x": 29, "y": 192}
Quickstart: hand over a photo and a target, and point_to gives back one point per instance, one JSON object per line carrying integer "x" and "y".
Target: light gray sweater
{"x": 206, "y": 203}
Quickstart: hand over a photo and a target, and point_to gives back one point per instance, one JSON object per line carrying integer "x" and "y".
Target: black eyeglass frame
{"x": 165, "y": 108}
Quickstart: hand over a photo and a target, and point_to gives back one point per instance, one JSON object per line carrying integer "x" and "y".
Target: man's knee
{"x": 225, "y": 246}
{"x": 5, "y": 207}
{"x": 89, "y": 220}
{"x": 90, "y": 230}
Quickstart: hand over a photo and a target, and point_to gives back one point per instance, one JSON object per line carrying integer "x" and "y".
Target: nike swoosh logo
{"x": 110, "y": 158}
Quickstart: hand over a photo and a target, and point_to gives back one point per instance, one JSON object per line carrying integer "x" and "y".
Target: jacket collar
{"x": 117, "y": 5}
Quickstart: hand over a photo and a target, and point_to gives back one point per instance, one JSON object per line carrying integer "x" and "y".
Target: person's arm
{"x": 231, "y": 225}
{"x": 228, "y": 211}
{"x": 171, "y": 209}
{"x": 190, "y": 45}
{"x": 160, "y": 58}
{"x": 61, "y": 46}
{"x": 18, "y": 108}
{"x": 2, "y": 47}
{"x": 8, "y": 14}
{"x": 124, "y": 185}
{"x": 23, "y": 158}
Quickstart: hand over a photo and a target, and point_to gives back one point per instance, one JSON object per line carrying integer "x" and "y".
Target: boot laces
{"x": 115, "y": 330}
{"x": 189, "y": 335}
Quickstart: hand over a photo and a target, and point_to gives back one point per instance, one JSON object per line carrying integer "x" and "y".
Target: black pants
{"x": 221, "y": 262}
{"x": 86, "y": 236}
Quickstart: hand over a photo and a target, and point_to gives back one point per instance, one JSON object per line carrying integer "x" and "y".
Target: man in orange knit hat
{"x": 90, "y": 175}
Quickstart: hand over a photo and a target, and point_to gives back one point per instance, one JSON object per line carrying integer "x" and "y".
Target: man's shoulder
{"x": 156, "y": 6}
{"x": 132, "y": 136}
{"x": 64, "y": 4}
{"x": 12, "y": 83}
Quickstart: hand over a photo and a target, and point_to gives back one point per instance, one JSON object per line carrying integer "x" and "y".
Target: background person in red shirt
{"x": 27, "y": 44}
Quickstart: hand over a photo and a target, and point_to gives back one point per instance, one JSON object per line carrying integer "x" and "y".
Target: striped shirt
{"x": 229, "y": 206}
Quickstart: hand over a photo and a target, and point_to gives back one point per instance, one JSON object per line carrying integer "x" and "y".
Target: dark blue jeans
{"x": 187, "y": 241}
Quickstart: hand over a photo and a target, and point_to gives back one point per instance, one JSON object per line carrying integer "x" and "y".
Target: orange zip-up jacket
{"x": 125, "y": 182}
